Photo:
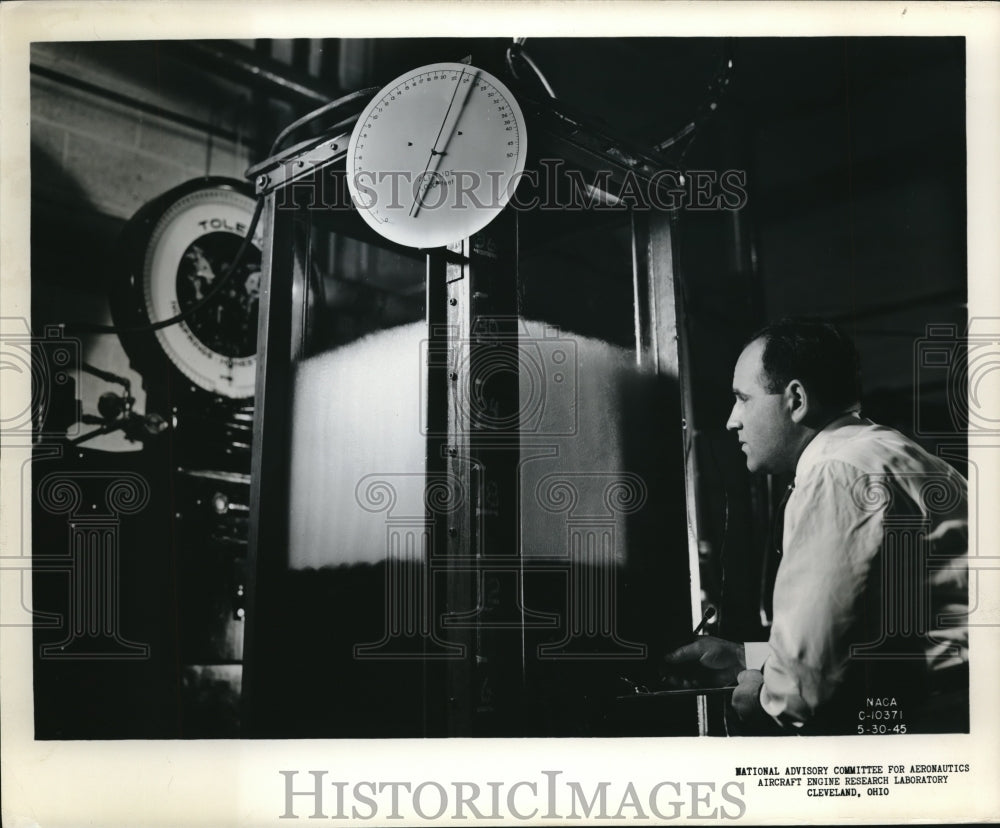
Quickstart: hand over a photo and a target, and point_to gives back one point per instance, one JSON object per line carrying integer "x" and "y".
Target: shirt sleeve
{"x": 755, "y": 653}
{"x": 829, "y": 543}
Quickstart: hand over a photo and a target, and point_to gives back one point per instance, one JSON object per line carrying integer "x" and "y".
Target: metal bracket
{"x": 297, "y": 163}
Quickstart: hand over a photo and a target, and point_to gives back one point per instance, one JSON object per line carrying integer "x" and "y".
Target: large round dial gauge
{"x": 191, "y": 247}
{"x": 436, "y": 155}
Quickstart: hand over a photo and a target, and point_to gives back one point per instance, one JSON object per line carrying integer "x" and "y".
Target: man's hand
{"x": 717, "y": 662}
{"x": 750, "y": 719}
{"x": 746, "y": 696}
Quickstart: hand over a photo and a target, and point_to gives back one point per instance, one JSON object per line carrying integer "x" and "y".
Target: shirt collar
{"x": 814, "y": 448}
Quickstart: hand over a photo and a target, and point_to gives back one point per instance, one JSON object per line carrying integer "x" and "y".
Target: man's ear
{"x": 797, "y": 401}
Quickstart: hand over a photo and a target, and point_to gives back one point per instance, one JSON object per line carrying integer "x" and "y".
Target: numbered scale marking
{"x": 436, "y": 155}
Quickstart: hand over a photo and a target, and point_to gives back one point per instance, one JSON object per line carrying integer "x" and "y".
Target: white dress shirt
{"x": 868, "y": 506}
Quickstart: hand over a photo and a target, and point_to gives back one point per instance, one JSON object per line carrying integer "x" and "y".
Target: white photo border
{"x": 217, "y": 783}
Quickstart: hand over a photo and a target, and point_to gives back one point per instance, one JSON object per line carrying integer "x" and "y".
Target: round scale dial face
{"x": 436, "y": 155}
{"x": 190, "y": 248}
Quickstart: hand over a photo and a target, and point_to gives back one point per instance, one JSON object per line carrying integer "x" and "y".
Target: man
{"x": 870, "y": 596}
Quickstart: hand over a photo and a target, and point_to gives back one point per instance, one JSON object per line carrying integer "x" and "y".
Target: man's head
{"x": 792, "y": 378}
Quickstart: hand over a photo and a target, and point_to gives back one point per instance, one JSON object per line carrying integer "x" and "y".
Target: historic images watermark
{"x": 48, "y": 368}
{"x": 311, "y": 795}
{"x": 542, "y": 363}
{"x": 588, "y": 562}
{"x": 551, "y": 186}
{"x": 52, "y": 364}
{"x": 924, "y": 539}
{"x": 92, "y": 504}
{"x": 963, "y": 368}
{"x": 956, "y": 377}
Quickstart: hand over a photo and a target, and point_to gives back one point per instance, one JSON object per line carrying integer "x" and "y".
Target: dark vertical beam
{"x": 494, "y": 445}
{"x": 643, "y": 296}
{"x": 665, "y": 348}
{"x": 482, "y": 453}
{"x": 268, "y": 532}
{"x": 456, "y": 539}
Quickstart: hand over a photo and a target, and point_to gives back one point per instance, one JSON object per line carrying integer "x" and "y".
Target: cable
{"x": 518, "y": 42}
{"x": 197, "y": 306}
{"x": 716, "y": 89}
{"x": 510, "y": 65}
{"x": 538, "y": 72}
{"x": 316, "y": 113}
{"x": 517, "y": 50}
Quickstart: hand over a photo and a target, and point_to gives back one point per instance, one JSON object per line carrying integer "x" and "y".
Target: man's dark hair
{"x": 817, "y": 354}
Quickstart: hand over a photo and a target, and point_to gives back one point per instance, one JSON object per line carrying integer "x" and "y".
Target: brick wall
{"x": 99, "y": 154}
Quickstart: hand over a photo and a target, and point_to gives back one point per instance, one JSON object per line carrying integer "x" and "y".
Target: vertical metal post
{"x": 494, "y": 443}
{"x": 268, "y": 530}
{"x": 449, "y": 315}
{"x": 661, "y": 344}
{"x": 472, "y": 303}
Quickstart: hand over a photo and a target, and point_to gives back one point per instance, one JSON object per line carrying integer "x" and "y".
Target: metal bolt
{"x": 453, "y": 452}
{"x": 333, "y": 145}
{"x": 262, "y": 180}
{"x": 453, "y": 301}
{"x": 452, "y": 531}
{"x": 454, "y": 376}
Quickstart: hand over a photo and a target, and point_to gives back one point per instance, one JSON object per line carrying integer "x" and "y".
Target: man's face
{"x": 760, "y": 419}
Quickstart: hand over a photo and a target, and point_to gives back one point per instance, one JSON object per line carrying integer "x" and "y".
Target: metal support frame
{"x": 473, "y": 443}
{"x": 297, "y": 162}
{"x": 661, "y": 345}
{"x": 268, "y": 527}
{"x": 472, "y": 306}
{"x": 457, "y": 535}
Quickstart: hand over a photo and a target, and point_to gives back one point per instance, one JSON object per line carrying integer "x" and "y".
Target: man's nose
{"x": 733, "y": 422}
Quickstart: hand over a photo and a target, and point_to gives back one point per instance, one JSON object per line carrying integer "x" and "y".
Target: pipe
{"x": 247, "y": 67}
{"x": 136, "y": 103}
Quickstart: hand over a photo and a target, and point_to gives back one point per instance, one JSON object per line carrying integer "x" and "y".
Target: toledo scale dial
{"x": 191, "y": 246}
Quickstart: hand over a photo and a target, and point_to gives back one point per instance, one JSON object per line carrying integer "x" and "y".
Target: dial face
{"x": 436, "y": 155}
{"x": 190, "y": 248}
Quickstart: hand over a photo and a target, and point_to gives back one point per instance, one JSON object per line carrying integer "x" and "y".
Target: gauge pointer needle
{"x": 418, "y": 197}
